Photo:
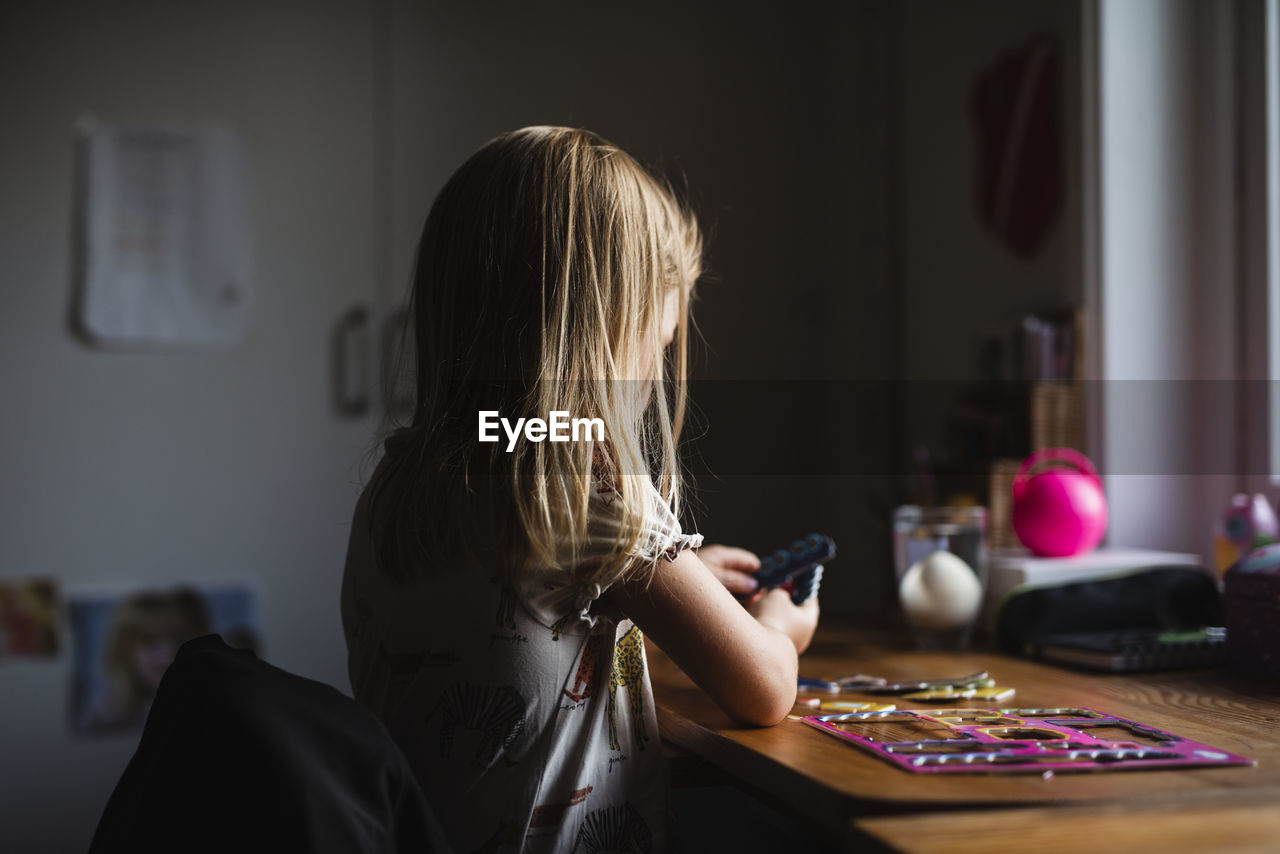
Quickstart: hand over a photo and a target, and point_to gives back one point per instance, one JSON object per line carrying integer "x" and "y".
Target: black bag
{"x": 1171, "y": 598}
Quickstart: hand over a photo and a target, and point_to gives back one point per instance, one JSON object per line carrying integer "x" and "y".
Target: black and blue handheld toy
{"x": 799, "y": 565}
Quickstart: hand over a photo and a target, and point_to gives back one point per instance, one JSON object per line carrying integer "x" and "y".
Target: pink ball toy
{"x": 1060, "y": 511}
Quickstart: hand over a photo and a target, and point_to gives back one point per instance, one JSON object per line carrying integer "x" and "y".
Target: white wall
{"x": 165, "y": 466}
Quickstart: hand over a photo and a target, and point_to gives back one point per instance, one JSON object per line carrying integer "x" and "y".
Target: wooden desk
{"x": 831, "y": 784}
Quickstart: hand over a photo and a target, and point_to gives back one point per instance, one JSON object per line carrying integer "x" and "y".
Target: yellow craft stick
{"x": 991, "y": 692}
{"x": 851, "y": 706}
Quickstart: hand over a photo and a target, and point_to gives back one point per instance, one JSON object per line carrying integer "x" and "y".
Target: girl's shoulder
{"x": 569, "y": 590}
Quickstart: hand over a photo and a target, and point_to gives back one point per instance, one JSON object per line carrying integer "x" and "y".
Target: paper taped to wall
{"x": 165, "y": 256}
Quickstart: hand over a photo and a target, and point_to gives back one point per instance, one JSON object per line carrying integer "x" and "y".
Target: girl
{"x": 496, "y": 593}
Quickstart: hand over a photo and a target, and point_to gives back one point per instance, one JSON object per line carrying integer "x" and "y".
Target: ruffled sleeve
{"x": 565, "y": 597}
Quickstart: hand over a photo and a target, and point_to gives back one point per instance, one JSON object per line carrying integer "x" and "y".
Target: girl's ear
{"x": 672, "y": 308}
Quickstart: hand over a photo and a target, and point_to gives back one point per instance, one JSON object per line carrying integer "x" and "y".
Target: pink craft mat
{"x": 968, "y": 741}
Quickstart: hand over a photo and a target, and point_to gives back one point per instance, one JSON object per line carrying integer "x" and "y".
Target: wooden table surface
{"x": 831, "y": 783}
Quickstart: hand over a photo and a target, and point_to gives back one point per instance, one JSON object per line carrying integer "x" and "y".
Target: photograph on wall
{"x": 123, "y": 640}
{"x": 29, "y": 618}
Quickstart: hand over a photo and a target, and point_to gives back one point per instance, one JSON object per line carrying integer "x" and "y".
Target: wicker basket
{"x": 1000, "y": 504}
{"x": 1057, "y": 415}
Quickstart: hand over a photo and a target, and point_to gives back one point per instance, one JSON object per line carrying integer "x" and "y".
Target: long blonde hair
{"x": 539, "y": 286}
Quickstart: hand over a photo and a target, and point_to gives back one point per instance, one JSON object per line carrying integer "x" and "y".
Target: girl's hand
{"x": 735, "y": 568}
{"x": 776, "y": 610}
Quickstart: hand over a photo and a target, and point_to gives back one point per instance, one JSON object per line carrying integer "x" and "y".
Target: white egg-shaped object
{"x": 939, "y": 592}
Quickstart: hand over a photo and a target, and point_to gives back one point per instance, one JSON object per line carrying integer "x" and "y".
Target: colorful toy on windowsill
{"x": 1248, "y": 524}
{"x": 1059, "y": 508}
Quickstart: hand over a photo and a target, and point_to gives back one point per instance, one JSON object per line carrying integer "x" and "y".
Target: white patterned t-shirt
{"x": 524, "y": 709}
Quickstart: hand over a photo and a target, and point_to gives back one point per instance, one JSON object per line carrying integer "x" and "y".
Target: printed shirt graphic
{"x": 526, "y": 711}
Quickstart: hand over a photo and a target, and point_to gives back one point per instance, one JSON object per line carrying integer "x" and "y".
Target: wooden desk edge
{"x": 1210, "y": 821}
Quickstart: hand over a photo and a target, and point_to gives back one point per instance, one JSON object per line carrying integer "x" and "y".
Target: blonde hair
{"x": 539, "y": 286}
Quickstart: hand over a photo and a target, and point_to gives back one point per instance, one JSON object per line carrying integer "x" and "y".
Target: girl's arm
{"x": 746, "y": 661}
